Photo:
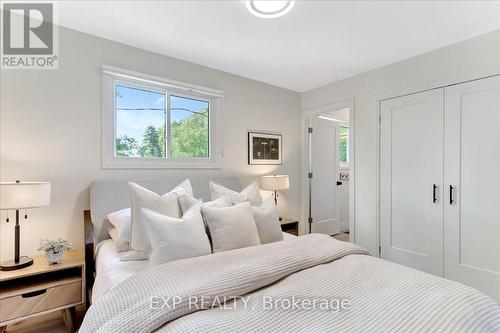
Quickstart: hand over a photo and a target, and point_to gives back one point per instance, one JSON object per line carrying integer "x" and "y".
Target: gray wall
{"x": 473, "y": 58}
{"x": 50, "y": 130}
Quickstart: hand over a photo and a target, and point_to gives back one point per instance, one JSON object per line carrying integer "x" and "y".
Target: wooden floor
{"x": 50, "y": 323}
{"x": 343, "y": 236}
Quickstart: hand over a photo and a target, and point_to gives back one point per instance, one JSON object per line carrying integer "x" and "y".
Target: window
{"x": 344, "y": 145}
{"x": 152, "y": 124}
{"x": 142, "y": 125}
{"x": 189, "y": 127}
{"x": 140, "y": 122}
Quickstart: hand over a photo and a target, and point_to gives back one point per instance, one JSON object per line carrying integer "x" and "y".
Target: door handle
{"x": 434, "y": 194}
{"x": 451, "y": 195}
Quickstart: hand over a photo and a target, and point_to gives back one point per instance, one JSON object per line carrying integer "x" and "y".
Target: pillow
{"x": 121, "y": 223}
{"x": 186, "y": 202}
{"x": 231, "y": 227}
{"x": 165, "y": 204}
{"x": 267, "y": 222}
{"x": 172, "y": 238}
{"x": 121, "y": 245}
{"x": 250, "y": 193}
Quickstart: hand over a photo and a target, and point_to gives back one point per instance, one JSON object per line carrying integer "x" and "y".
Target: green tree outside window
{"x": 344, "y": 144}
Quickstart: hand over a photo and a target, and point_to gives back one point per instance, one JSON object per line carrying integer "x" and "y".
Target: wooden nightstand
{"x": 42, "y": 288}
{"x": 290, "y": 226}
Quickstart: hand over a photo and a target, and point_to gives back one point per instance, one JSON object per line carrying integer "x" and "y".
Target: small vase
{"x": 54, "y": 258}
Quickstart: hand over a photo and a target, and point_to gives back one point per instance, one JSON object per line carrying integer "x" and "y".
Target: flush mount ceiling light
{"x": 269, "y": 8}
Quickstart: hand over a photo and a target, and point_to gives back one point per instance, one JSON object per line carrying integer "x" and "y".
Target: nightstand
{"x": 42, "y": 288}
{"x": 290, "y": 226}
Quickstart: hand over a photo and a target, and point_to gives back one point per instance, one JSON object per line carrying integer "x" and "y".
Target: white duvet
{"x": 111, "y": 271}
{"x": 379, "y": 296}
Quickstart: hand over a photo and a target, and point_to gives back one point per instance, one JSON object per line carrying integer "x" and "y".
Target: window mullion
{"x": 168, "y": 134}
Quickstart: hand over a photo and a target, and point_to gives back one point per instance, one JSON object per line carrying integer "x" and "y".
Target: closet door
{"x": 472, "y": 205}
{"x": 411, "y": 178}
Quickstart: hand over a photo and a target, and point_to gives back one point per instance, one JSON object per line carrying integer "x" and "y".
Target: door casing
{"x": 304, "y": 165}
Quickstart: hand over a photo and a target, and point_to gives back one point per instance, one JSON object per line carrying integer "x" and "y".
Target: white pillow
{"x": 231, "y": 227}
{"x": 186, "y": 202}
{"x": 121, "y": 245}
{"x": 121, "y": 223}
{"x": 173, "y": 238}
{"x": 267, "y": 222}
{"x": 165, "y": 204}
{"x": 250, "y": 193}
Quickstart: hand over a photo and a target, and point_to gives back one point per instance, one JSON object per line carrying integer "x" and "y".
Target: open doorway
{"x": 328, "y": 190}
{"x": 340, "y": 120}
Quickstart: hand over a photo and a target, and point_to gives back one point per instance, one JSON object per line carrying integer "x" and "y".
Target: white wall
{"x": 470, "y": 59}
{"x": 50, "y": 131}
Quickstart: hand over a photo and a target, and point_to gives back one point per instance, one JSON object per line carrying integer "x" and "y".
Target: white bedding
{"x": 245, "y": 290}
{"x": 111, "y": 271}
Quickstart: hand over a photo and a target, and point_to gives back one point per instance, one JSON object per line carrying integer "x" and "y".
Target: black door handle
{"x": 451, "y": 195}
{"x": 339, "y": 183}
{"x": 434, "y": 197}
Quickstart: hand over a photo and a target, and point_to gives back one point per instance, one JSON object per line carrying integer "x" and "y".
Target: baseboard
{"x": 344, "y": 226}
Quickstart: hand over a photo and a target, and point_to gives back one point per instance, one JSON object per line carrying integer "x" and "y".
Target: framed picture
{"x": 264, "y": 148}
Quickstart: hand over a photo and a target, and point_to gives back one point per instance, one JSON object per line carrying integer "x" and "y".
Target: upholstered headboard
{"x": 109, "y": 196}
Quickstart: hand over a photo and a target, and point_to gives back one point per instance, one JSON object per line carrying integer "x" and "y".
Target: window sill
{"x": 154, "y": 163}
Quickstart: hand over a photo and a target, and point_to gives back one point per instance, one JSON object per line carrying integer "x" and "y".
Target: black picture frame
{"x": 264, "y": 148}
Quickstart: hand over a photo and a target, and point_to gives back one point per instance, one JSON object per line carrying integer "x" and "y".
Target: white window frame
{"x": 112, "y": 76}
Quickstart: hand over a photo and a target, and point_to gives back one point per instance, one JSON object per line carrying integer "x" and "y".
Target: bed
{"x": 310, "y": 283}
{"x": 110, "y": 271}
{"x": 106, "y": 270}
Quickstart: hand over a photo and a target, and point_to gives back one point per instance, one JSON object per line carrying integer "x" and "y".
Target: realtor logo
{"x": 28, "y": 36}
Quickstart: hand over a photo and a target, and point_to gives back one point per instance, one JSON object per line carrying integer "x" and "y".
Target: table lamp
{"x": 275, "y": 183}
{"x": 21, "y": 195}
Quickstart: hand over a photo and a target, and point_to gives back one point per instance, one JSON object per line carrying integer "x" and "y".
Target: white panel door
{"x": 325, "y": 168}
{"x": 472, "y": 164}
{"x": 411, "y": 180}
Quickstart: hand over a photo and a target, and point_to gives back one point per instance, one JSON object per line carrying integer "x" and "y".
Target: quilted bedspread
{"x": 309, "y": 284}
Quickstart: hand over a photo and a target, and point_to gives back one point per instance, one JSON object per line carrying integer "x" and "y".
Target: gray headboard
{"x": 109, "y": 196}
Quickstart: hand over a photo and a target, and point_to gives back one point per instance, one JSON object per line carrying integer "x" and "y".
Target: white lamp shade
{"x": 24, "y": 195}
{"x": 275, "y": 182}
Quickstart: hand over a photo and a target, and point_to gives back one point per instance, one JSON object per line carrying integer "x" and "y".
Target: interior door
{"x": 325, "y": 168}
{"x": 472, "y": 205}
{"x": 411, "y": 180}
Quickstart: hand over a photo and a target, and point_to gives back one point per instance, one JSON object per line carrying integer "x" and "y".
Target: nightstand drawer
{"x": 40, "y": 300}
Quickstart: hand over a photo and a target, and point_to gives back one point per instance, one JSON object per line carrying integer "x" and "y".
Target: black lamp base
{"x": 11, "y": 265}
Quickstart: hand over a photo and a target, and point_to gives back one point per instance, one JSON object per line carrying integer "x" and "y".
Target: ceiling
{"x": 318, "y": 42}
